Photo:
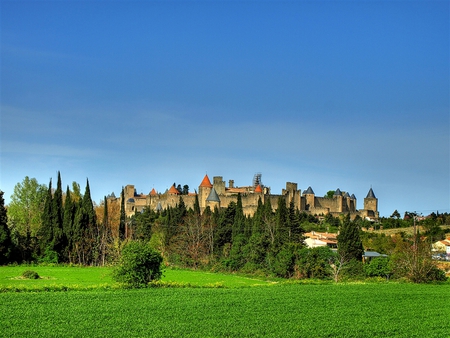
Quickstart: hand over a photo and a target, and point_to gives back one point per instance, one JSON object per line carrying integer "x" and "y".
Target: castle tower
{"x": 353, "y": 203}
{"x": 219, "y": 185}
{"x": 339, "y": 200}
{"x": 204, "y": 189}
{"x": 309, "y": 194}
{"x": 371, "y": 202}
{"x": 213, "y": 199}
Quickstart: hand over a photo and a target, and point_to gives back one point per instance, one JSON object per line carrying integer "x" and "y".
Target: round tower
{"x": 204, "y": 189}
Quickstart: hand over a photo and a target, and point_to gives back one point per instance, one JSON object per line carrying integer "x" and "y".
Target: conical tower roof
{"x": 173, "y": 190}
{"x": 213, "y": 197}
{"x": 353, "y": 197}
{"x": 370, "y": 194}
{"x": 153, "y": 192}
{"x": 309, "y": 191}
{"x": 338, "y": 192}
{"x": 258, "y": 189}
{"x": 206, "y": 183}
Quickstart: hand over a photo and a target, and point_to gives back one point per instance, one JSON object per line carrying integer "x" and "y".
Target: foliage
{"x": 349, "y": 241}
{"x": 25, "y": 215}
{"x": 6, "y": 246}
{"x": 315, "y": 262}
{"x": 274, "y": 311}
{"x": 412, "y": 260}
{"x": 379, "y": 267}
{"x": 138, "y": 265}
{"x": 30, "y": 274}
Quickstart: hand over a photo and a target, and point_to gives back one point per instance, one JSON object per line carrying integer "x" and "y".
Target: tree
{"x": 59, "y": 242}
{"x": 6, "y": 246}
{"x": 45, "y": 235}
{"x": 139, "y": 264}
{"x": 25, "y": 214}
{"x": 412, "y": 259}
{"x": 122, "y": 223}
{"x": 349, "y": 242}
{"x": 329, "y": 194}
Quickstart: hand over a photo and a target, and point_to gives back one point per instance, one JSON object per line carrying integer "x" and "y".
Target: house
{"x": 316, "y": 239}
{"x": 441, "y": 246}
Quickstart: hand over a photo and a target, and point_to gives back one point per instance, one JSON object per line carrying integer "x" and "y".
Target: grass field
{"x": 254, "y": 310}
{"x": 81, "y": 278}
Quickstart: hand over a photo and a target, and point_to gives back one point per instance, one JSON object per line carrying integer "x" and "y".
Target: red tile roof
{"x": 173, "y": 190}
{"x": 258, "y": 188}
{"x": 153, "y": 192}
{"x": 206, "y": 183}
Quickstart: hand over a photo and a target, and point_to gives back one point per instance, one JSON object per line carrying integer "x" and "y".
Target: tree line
{"x": 45, "y": 224}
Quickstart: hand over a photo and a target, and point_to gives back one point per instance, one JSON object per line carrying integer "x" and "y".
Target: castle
{"x": 217, "y": 194}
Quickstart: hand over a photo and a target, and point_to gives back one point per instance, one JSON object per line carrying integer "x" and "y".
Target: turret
{"x": 204, "y": 190}
{"x": 371, "y": 202}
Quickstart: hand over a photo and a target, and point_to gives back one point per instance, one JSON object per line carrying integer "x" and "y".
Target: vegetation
{"x": 69, "y": 228}
{"x": 139, "y": 265}
{"x": 30, "y": 274}
{"x": 296, "y": 310}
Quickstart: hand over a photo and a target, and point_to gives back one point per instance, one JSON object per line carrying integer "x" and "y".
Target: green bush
{"x": 30, "y": 274}
{"x": 138, "y": 265}
{"x": 379, "y": 267}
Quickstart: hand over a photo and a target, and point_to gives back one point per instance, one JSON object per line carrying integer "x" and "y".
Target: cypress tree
{"x": 59, "y": 242}
{"x": 122, "y": 216}
{"x": 69, "y": 215}
{"x": 239, "y": 219}
{"x": 91, "y": 229}
{"x": 196, "y": 206}
{"x": 349, "y": 242}
{"x": 46, "y": 230}
{"x": 6, "y": 246}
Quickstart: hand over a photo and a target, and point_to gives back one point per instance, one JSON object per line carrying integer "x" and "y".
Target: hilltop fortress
{"x": 217, "y": 194}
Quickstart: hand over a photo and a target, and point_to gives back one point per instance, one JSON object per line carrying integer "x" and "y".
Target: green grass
{"x": 296, "y": 310}
{"x": 82, "y": 278}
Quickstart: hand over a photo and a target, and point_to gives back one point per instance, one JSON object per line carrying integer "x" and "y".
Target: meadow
{"x": 254, "y": 308}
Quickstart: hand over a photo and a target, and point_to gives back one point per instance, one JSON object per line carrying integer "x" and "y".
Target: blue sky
{"x": 341, "y": 94}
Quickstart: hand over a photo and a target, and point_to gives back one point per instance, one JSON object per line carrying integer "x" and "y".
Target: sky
{"x": 329, "y": 94}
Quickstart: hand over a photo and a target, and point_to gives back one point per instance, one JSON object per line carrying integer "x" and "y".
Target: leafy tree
{"x": 185, "y": 190}
{"x": 412, "y": 259}
{"x": 139, "y": 264}
{"x": 6, "y": 247}
{"x": 349, "y": 242}
{"x": 395, "y": 214}
{"x": 239, "y": 219}
{"x": 25, "y": 214}
{"x": 330, "y": 194}
{"x": 379, "y": 267}
{"x": 314, "y": 263}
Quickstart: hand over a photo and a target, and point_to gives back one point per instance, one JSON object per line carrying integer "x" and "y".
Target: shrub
{"x": 30, "y": 274}
{"x": 138, "y": 265}
{"x": 378, "y": 267}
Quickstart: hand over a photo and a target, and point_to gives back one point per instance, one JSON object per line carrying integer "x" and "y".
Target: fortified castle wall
{"x": 217, "y": 194}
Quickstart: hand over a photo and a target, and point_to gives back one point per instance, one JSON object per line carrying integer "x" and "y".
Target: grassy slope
{"x": 93, "y": 277}
{"x": 332, "y": 310}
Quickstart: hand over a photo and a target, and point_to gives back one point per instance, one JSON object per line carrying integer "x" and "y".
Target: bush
{"x": 30, "y": 274}
{"x": 138, "y": 265}
{"x": 378, "y": 267}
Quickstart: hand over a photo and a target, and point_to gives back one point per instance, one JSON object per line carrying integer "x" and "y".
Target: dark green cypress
{"x": 46, "y": 231}
{"x": 122, "y": 215}
{"x": 349, "y": 242}
{"x": 69, "y": 215}
{"x": 6, "y": 247}
{"x": 239, "y": 219}
{"x": 59, "y": 242}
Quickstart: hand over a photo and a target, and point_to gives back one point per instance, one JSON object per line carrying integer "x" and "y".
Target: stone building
{"x": 218, "y": 194}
